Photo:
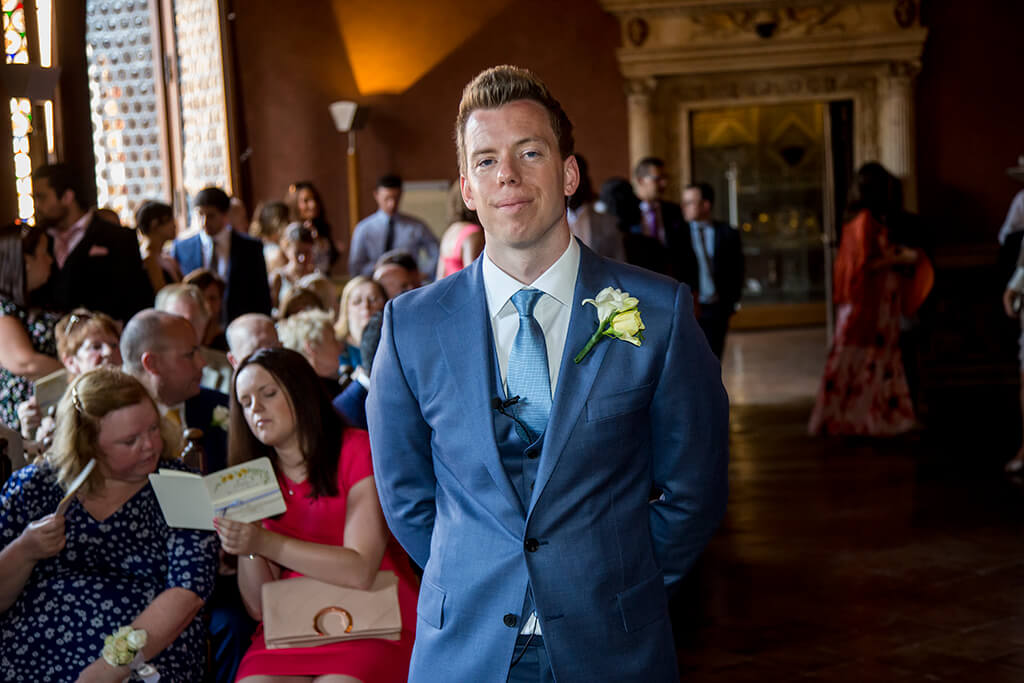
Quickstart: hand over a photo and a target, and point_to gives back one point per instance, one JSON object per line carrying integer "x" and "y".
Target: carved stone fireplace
{"x": 684, "y": 57}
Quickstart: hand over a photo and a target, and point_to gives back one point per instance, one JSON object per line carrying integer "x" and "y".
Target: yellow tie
{"x": 174, "y": 415}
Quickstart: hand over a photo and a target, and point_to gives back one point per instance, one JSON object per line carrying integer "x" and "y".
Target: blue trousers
{"x": 534, "y": 666}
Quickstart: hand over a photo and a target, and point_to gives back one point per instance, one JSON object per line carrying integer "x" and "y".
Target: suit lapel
{"x": 465, "y": 339}
{"x": 574, "y": 381}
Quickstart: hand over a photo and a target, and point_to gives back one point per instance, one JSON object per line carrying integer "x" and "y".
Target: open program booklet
{"x": 248, "y": 492}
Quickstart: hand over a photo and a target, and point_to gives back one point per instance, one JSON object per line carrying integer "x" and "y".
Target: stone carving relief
{"x": 768, "y": 23}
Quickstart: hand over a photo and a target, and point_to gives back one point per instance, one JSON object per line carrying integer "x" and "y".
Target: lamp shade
{"x": 343, "y": 113}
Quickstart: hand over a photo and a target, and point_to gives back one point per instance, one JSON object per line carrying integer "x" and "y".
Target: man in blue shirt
{"x": 719, "y": 255}
{"x": 387, "y": 229}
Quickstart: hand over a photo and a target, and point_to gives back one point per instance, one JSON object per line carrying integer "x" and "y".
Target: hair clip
{"x": 76, "y": 401}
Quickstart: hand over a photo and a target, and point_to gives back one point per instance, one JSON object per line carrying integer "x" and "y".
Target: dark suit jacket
{"x": 102, "y": 273}
{"x": 727, "y": 263}
{"x": 351, "y": 403}
{"x": 199, "y": 415}
{"x": 247, "y": 290}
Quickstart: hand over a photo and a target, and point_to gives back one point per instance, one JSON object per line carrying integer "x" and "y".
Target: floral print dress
{"x": 106, "y": 575}
{"x": 14, "y": 388}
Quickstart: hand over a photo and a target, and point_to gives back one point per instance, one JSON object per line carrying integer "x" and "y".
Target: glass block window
{"x": 124, "y": 105}
{"x": 21, "y": 127}
{"x": 205, "y": 159}
{"x": 15, "y": 37}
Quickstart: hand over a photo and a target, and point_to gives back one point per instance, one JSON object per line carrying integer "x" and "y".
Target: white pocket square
{"x": 98, "y": 250}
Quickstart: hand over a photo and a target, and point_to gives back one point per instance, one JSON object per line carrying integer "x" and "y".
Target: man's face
{"x": 695, "y": 207}
{"x": 515, "y": 178}
{"x": 387, "y": 199}
{"x": 178, "y": 365}
{"x": 651, "y": 186}
{"x": 211, "y": 220}
{"x": 50, "y": 209}
{"x": 395, "y": 279}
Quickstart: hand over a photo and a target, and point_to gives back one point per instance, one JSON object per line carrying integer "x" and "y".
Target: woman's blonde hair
{"x": 311, "y": 325}
{"x": 341, "y": 327}
{"x": 87, "y": 400}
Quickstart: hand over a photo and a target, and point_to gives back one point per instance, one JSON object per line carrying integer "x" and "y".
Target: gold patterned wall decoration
{"x": 204, "y": 124}
{"x": 124, "y": 105}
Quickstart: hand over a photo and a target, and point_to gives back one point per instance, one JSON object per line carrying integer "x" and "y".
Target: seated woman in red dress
{"x": 333, "y": 530}
{"x": 864, "y": 389}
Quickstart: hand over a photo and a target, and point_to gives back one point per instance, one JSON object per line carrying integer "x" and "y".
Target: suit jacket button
{"x": 531, "y": 545}
{"x": 510, "y": 620}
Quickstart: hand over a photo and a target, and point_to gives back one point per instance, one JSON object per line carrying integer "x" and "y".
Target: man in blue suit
{"x": 236, "y": 258}
{"x": 550, "y": 502}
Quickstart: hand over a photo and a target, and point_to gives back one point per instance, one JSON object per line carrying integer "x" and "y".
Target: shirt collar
{"x": 558, "y": 281}
{"x": 76, "y": 228}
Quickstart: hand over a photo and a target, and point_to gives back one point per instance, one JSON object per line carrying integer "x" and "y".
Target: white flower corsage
{"x": 617, "y": 317}
{"x": 124, "y": 648}
{"x": 220, "y": 417}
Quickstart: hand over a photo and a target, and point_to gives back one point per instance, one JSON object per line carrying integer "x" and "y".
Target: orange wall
{"x": 290, "y": 70}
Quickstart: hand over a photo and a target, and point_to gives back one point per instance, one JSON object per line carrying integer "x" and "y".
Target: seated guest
{"x": 351, "y": 402}
{"x": 397, "y": 272}
{"x": 160, "y": 350}
{"x": 188, "y": 302}
{"x": 155, "y": 224}
{"x": 463, "y": 240}
{"x": 306, "y": 207}
{"x": 28, "y": 350}
{"x": 237, "y": 259}
{"x": 333, "y": 529}
{"x": 360, "y": 299}
{"x": 297, "y": 246}
{"x": 311, "y": 334}
{"x": 297, "y": 300}
{"x": 249, "y": 332}
{"x": 93, "y": 259}
{"x": 321, "y": 285}
{"x": 85, "y": 340}
{"x": 269, "y": 222}
{"x": 213, "y": 288}
{"x": 599, "y": 231}
{"x": 111, "y": 560}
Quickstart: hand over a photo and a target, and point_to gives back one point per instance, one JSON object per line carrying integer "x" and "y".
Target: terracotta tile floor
{"x": 853, "y": 560}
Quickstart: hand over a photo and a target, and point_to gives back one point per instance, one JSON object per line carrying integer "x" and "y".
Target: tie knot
{"x": 525, "y": 300}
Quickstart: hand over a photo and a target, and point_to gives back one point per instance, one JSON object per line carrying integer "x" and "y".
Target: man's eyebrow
{"x": 518, "y": 143}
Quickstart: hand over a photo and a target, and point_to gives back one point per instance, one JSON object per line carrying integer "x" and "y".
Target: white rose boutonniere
{"x": 220, "y": 417}
{"x": 617, "y": 317}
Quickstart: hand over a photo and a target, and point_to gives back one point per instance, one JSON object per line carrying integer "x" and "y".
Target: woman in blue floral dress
{"x": 68, "y": 581}
{"x": 29, "y": 350}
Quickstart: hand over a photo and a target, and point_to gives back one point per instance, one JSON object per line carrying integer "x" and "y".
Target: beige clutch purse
{"x": 304, "y": 612}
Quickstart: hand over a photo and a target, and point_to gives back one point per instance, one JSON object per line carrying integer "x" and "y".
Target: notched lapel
{"x": 574, "y": 380}
{"x": 465, "y": 341}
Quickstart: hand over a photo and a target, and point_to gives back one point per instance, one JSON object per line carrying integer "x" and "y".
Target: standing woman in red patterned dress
{"x": 864, "y": 390}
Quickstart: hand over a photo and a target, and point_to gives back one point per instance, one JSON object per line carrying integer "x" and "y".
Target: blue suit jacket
{"x": 199, "y": 415}
{"x": 247, "y": 288}
{"x": 624, "y": 421}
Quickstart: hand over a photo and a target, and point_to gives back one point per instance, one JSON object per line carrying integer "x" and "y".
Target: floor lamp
{"x": 344, "y": 115}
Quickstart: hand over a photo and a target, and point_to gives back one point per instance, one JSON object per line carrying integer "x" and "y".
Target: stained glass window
{"x": 15, "y": 39}
{"x": 21, "y": 126}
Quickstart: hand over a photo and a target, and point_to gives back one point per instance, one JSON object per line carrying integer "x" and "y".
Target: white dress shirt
{"x": 222, "y": 243}
{"x": 552, "y": 312}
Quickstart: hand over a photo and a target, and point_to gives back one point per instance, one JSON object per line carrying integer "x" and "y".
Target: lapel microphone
{"x": 500, "y": 405}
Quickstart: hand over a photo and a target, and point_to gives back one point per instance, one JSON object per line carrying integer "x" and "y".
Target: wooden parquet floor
{"x": 846, "y": 560}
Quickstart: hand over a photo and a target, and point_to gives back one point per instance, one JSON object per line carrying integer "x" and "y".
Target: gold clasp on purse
{"x": 331, "y": 610}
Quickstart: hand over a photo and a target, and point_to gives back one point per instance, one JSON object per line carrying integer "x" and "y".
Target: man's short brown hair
{"x": 501, "y": 85}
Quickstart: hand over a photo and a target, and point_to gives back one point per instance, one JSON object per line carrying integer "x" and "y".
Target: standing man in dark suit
{"x": 96, "y": 265}
{"x": 663, "y": 224}
{"x": 236, "y": 258}
{"x": 719, "y": 258}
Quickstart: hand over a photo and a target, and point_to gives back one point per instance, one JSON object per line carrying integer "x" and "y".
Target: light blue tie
{"x": 528, "y": 368}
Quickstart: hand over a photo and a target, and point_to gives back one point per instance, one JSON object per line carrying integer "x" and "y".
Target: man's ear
{"x": 571, "y": 175}
{"x": 150, "y": 362}
{"x": 68, "y": 198}
{"x": 232, "y": 361}
{"x": 467, "y": 193}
